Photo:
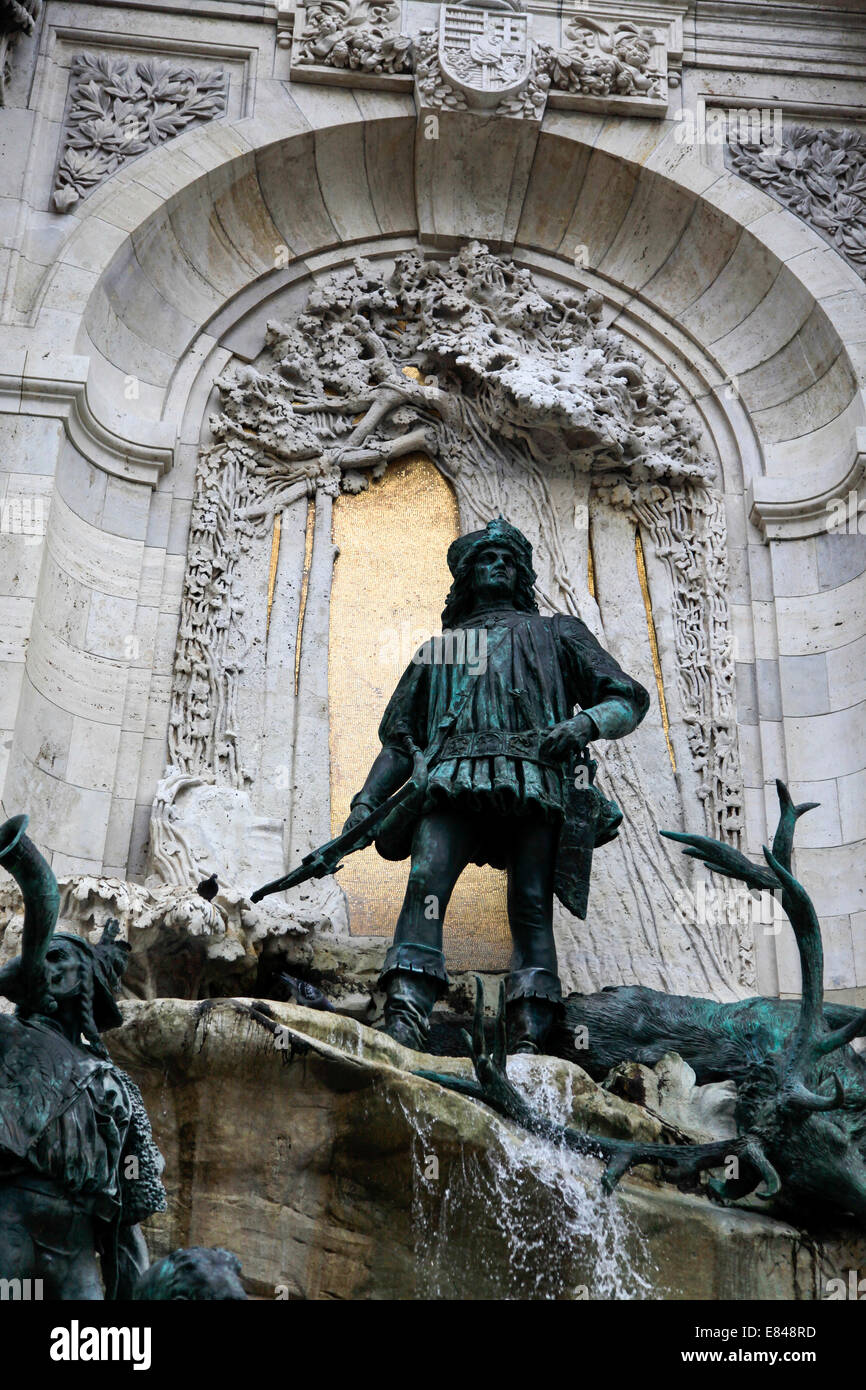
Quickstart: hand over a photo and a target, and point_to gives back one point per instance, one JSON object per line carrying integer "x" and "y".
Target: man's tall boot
{"x": 408, "y": 1007}
{"x": 413, "y": 977}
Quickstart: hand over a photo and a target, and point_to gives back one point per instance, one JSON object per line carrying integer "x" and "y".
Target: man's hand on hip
{"x": 571, "y": 736}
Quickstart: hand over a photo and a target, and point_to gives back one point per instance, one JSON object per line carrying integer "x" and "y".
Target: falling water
{"x": 524, "y": 1219}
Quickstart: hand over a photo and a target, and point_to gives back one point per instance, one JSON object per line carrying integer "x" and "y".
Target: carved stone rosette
{"x": 120, "y": 108}
{"x": 821, "y": 176}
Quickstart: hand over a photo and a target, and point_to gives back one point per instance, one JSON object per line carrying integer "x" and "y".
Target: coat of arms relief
{"x": 484, "y": 53}
{"x": 487, "y": 55}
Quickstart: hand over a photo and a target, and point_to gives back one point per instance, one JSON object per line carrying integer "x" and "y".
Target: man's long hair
{"x": 89, "y": 1030}
{"x": 462, "y": 595}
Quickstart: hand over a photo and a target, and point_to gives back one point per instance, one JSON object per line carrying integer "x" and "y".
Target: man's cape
{"x": 41, "y": 1074}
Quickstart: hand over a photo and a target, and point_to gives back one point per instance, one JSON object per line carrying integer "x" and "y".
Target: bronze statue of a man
{"x": 489, "y": 706}
{"x": 78, "y": 1166}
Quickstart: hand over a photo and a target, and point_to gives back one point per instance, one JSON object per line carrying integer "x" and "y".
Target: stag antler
{"x": 683, "y": 1163}
{"x": 810, "y": 1041}
{"x": 724, "y": 859}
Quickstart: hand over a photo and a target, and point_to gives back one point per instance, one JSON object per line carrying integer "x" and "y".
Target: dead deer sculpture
{"x": 801, "y": 1089}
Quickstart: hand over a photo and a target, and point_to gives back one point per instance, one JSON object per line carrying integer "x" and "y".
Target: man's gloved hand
{"x": 29, "y": 991}
{"x": 359, "y": 812}
{"x": 571, "y": 736}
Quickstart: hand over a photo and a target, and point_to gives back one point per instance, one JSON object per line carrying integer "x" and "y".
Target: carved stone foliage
{"x": 688, "y": 529}
{"x": 16, "y": 17}
{"x": 272, "y": 449}
{"x": 508, "y": 388}
{"x": 821, "y": 176}
{"x": 608, "y": 60}
{"x": 180, "y": 944}
{"x": 119, "y": 108}
{"x": 492, "y": 356}
{"x": 354, "y": 35}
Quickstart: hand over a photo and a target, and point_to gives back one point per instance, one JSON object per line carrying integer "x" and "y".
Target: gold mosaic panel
{"x": 390, "y": 582}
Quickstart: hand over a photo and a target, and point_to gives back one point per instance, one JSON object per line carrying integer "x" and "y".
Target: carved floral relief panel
{"x": 821, "y": 176}
{"x": 119, "y": 108}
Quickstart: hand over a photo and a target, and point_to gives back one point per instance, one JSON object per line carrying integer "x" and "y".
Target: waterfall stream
{"x": 522, "y": 1218}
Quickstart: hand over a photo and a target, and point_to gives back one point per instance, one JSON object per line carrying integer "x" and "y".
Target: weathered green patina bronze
{"x": 801, "y": 1089}
{"x": 197, "y": 1275}
{"x": 482, "y": 725}
{"x": 78, "y": 1166}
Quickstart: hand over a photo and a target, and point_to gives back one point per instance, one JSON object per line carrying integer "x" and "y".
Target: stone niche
{"x": 706, "y": 580}
{"x": 334, "y": 474}
{"x": 326, "y": 454}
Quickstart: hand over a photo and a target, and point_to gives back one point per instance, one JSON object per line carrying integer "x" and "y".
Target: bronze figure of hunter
{"x": 485, "y": 736}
